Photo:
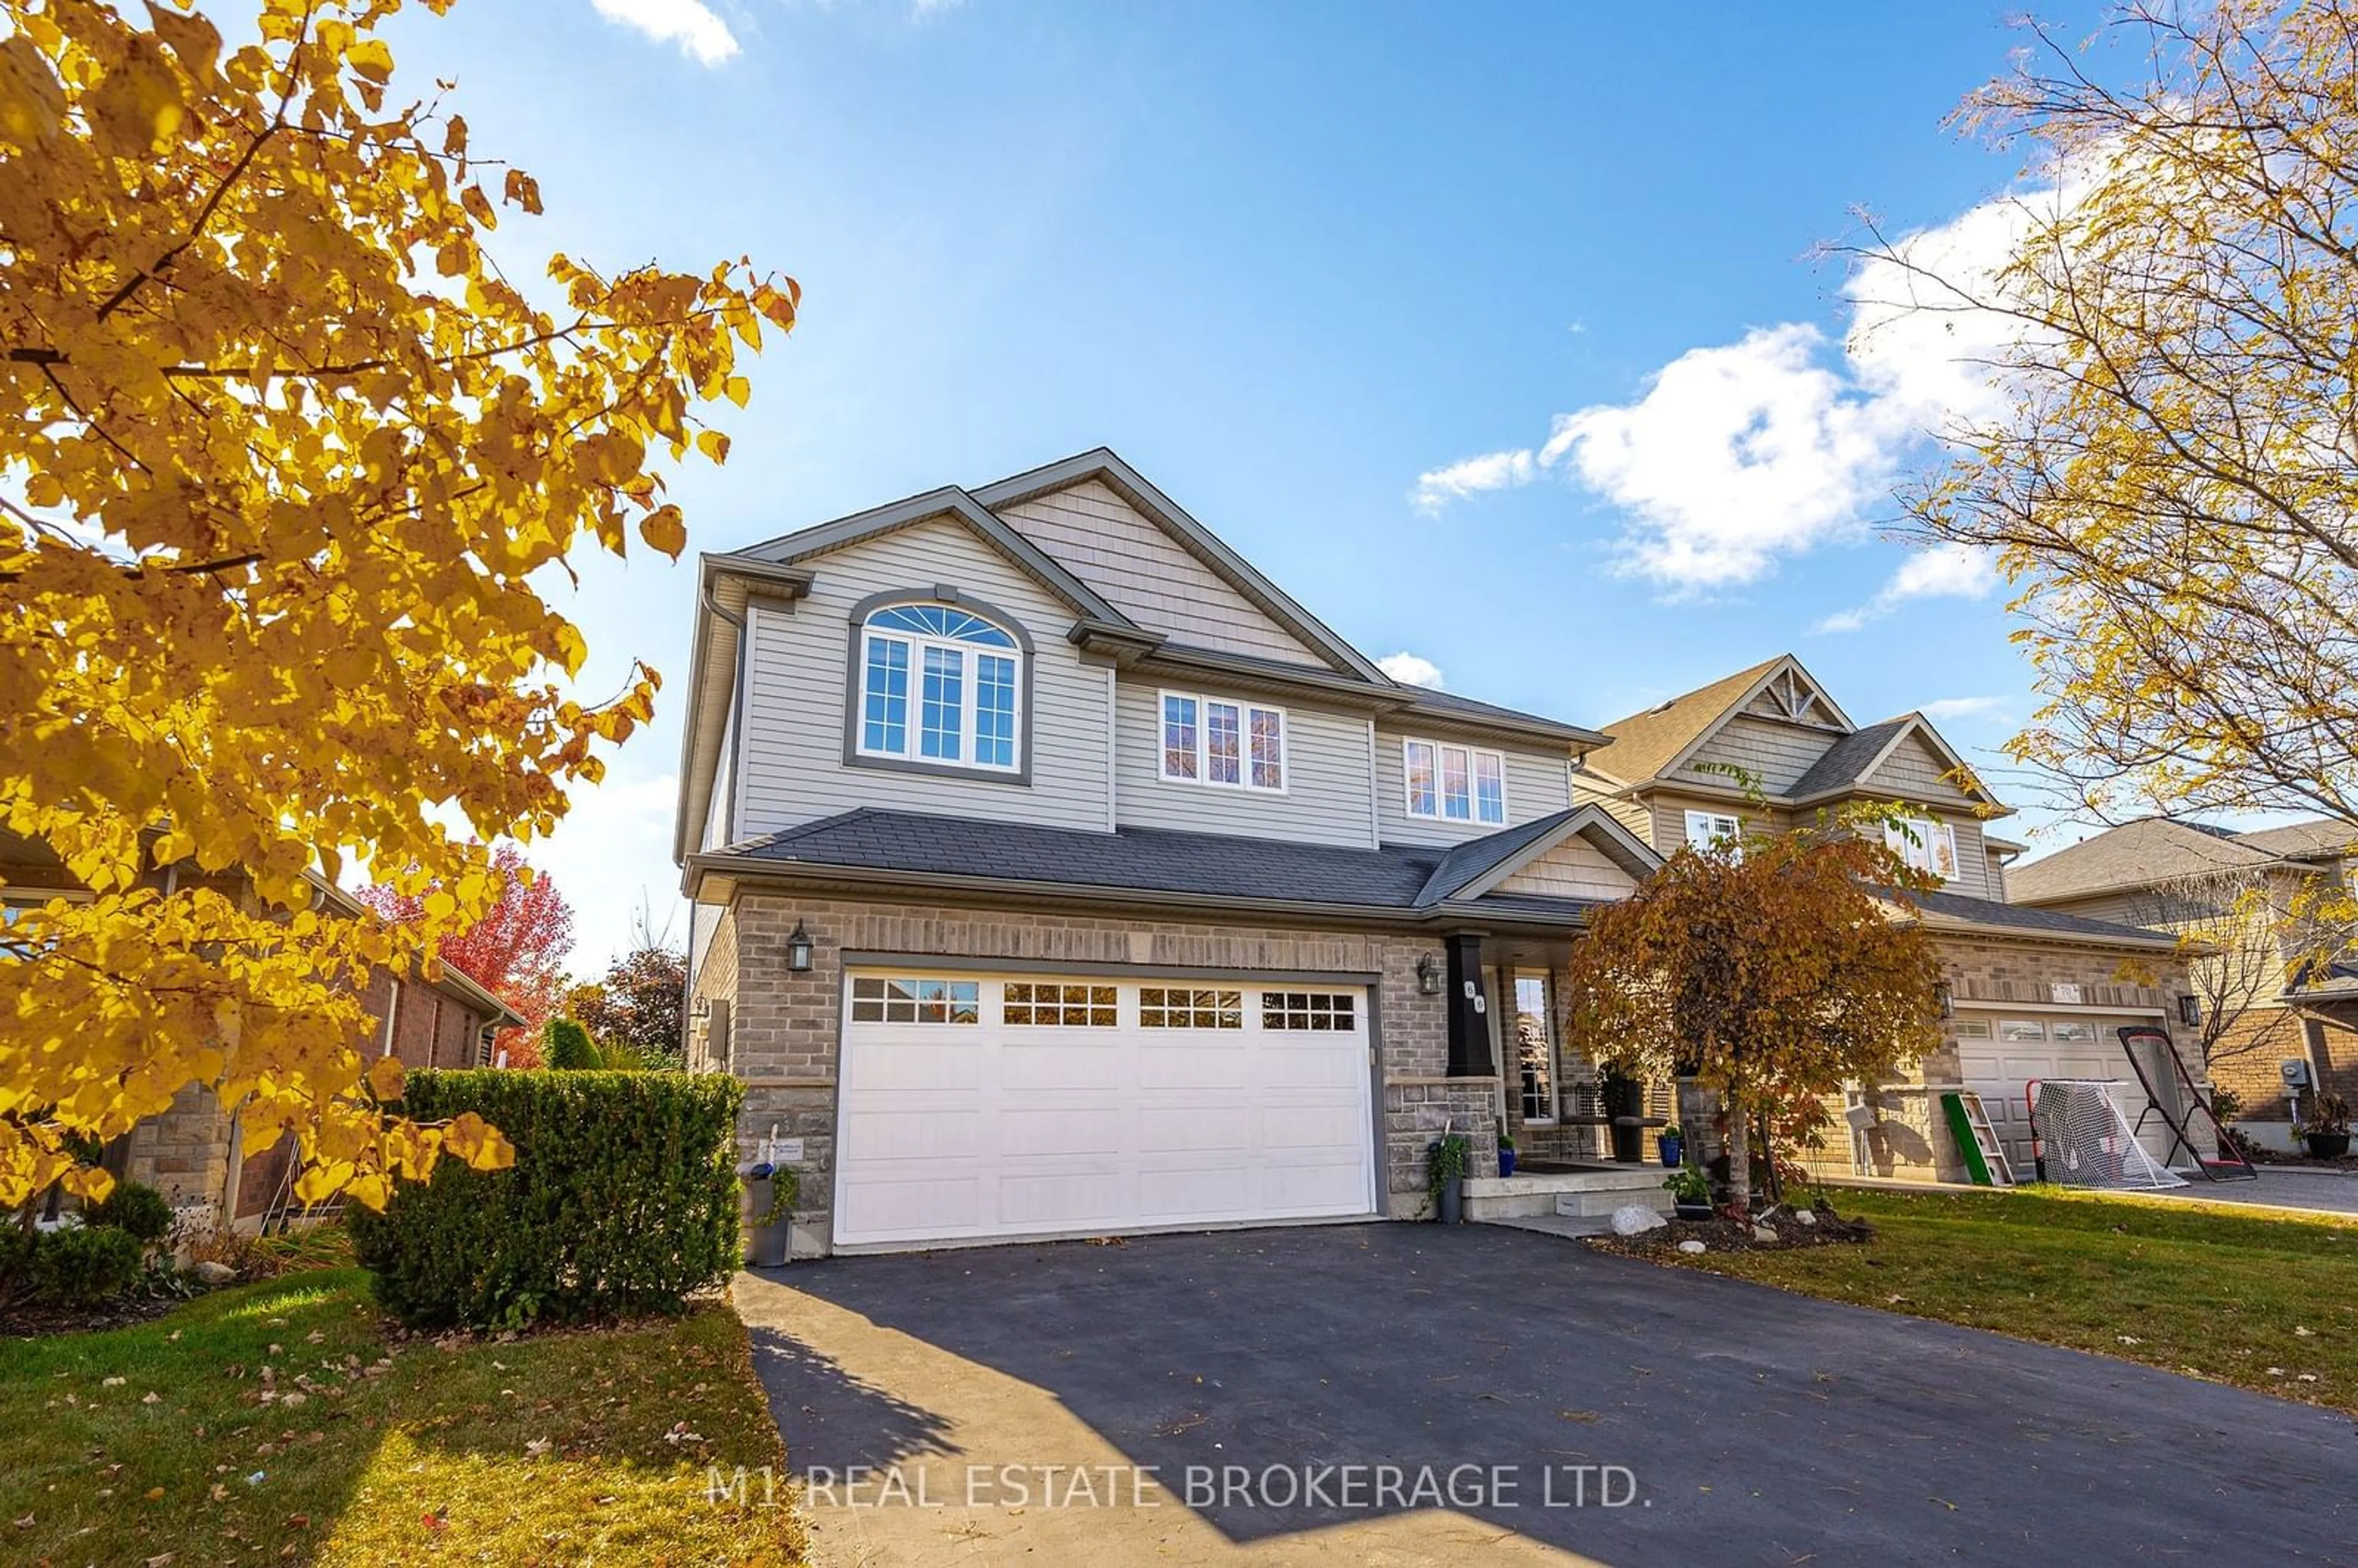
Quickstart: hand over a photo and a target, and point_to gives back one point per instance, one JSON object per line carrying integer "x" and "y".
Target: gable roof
{"x": 2135, "y": 854}
{"x": 1644, "y": 745}
{"x": 1103, "y": 464}
{"x": 1478, "y": 865}
{"x": 1957, "y": 911}
{"x": 950, "y": 502}
{"x": 1850, "y": 759}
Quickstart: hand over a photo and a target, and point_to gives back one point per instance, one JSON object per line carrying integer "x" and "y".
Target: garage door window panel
{"x": 1325, "y": 1012}
{"x": 1161, "y": 1006}
{"x": 1029, "y": 1005}
{"x": 889, "y": 1000}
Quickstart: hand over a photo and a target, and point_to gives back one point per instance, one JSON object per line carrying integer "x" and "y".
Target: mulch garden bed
{"x": 39, "y": 1319}
{"x": 1821, "y": 1227}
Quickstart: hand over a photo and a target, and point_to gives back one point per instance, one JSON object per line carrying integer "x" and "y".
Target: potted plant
{"x": 1445, "y": 1176}
{"x": 2325, "y": 1129}
{"x": 1672, "y": 1145}
{"x": 1690, "y": 1192}
{"x": 770, "y": 1193}
{"x": 1506, "y": 1152}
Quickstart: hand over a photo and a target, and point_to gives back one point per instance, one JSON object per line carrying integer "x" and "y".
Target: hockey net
{"x": 2085, "y": 1140}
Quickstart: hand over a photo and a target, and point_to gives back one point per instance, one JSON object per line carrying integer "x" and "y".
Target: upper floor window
{"x": 1210, "y": 740}
{"x": 1926, "y": 845}
{"x": 939, "y": 685}
{"x": 1455, "y": 784}
{"x": 1716, "y": 832}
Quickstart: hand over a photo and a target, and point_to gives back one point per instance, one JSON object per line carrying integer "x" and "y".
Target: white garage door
{"x": 977, "y": 1106}
{"x": 2002, "y": 1052}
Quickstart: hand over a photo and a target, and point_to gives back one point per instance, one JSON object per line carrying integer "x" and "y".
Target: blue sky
{"x": 1331, "y": 275}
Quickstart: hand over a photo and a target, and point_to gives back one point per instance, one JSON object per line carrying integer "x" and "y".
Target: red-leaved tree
{"x": 516, "y": 952}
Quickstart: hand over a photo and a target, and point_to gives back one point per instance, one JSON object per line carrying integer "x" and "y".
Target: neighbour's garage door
{"x": 2003, "y": 1052}
{"x": 977, "y": 1106}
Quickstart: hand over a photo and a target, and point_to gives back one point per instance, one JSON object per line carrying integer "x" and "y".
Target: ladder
{"x": 1969, "y": 1124}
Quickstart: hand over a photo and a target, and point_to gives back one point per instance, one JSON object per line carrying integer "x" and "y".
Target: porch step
{"x": 1588, "y": 1193}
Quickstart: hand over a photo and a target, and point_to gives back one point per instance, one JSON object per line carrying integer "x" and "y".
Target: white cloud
{"x": 1471, "y": 476}
{"x": 1944, "y": 571}
{"x": 1964, "y": 708}
{"x": 1410, "y": 669}
{"x": 701, "y": 35}
{"x": 1735, "y": 455}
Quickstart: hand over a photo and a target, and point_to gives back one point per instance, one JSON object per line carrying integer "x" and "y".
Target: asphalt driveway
{"x": 1211, "y": 1397}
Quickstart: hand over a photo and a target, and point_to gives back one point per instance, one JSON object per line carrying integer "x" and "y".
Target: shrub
{"x": 566, "y": 1046}
{"x": 82, "y": 1265}
{"x": 623, "y": 1201}
{"x": 136, "y": 1209}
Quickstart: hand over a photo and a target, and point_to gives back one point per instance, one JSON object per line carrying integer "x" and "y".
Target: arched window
{"x": 940, "y": 686}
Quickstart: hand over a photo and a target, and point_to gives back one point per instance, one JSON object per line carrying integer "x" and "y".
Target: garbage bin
{"x": 769, "y": 1215}
{"x": 1623, "y": 1099}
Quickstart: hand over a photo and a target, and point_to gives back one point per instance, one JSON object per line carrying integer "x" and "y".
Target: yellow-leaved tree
{"x": 281, "y": 449}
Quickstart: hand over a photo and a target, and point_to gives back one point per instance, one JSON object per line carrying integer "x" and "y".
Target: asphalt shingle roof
{"x": 1848, "y": 758}
{"x": 2320, "y": 836}
{"x": 1644, "y": 743}
{"x": 1394, "y": 878}
{"x": 2023, "y": 917}
{"x": 2135, "y": 854}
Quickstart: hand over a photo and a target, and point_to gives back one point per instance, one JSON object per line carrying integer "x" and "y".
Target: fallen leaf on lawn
{"x": 158, "y": 1561}
{"x": 151, "y": 1397}
{"x": 298, "y": 1521}
{"x": 2129, "y": 1339}
{"x": 2304, "y": 1333}
{"x": 537, "y": 1447}
{"x": 155, "y": 1494}
{"x": 219, "y": 1491}
{"x": 24, "y": 1523}
{"x": 317, "y": 1336}
{"x": 110, "y": 1382}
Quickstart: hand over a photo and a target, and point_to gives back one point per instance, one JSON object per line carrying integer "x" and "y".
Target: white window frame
{"x": 912, "y": 727}
{"x": 1440, "y": 812}
{"x": 1717, "y": 830}
{"x": 1912, "y": 839}
{"x": 1245, "y": 708}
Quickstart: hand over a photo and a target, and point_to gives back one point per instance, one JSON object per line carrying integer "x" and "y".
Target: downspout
{"x": 735, "y": 726}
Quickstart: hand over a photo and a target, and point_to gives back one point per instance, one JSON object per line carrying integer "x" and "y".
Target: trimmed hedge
{"x": 566, "y": 1047}
{"x": 134, "y": 1208}
{"x": 623, "y": 1201}
{"x": 79, "y": 1266}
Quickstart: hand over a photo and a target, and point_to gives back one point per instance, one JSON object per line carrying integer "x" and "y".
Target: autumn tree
{"x": 637, "y": 1003}
{"x": 2170, "y": 481}
{"x": 516, "y": 951}
{"x": 283, "y": 454}
{"x": 1770, "y": 971}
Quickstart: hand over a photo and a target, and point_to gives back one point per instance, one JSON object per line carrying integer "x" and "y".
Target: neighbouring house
{"x": 2276, "y": 985}
{"x": 2030, "y": 993}
{"x": 193, "y": 1154}
{"x": 1055, "y": 872}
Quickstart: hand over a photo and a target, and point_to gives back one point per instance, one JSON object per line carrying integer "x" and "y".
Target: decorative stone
{"x": 213, "y": 1273}
{"x": 1764, "y": 1236}
{"x": 1805, "y": 1215}
{"x": 1636, "y": 1219}
{"x": 1692, "y": 1247}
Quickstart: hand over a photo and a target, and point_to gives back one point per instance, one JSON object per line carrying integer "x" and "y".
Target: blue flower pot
{"x": 1506, "y": 1161}
{"x": 1674, "y": 1150}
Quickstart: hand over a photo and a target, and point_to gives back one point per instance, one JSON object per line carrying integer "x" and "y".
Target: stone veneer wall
{"x": 785, "y": 1029}
{"x": 183, "y": 1152}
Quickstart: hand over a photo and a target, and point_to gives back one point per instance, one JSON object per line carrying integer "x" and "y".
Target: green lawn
{"x": 2210, "y": 1290}
{"x": 555, "y": 1448}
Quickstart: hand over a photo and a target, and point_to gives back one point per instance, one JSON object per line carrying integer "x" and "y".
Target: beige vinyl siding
{"x": 1973, "y": 859}
{"x": 1325, "y": 796}
{"x": 1670, "y": 817}
{"x": 2125, "y": 906}
{"x": 1538, "y": 782}
{"x": 1774, "y": 754}
{"x": 1632, "y": 815}
{"x": 1574, "y": 868}
{"x": 793, "y": 748}
{"x": 1145, "y": 573}
{"x": 1913, "y": 771}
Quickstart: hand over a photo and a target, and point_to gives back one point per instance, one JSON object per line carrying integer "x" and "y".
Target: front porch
{"x": 1580, "y": 1193}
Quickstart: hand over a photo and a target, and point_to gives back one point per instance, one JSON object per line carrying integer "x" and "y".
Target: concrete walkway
{"x": 1209, "y": 1398}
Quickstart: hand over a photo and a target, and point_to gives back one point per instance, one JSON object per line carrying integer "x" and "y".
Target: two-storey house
{"x": 2030, "y": 993}
{"x": 1055, "y": 872}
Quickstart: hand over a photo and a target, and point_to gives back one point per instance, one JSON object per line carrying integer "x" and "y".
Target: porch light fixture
{"x": 1428, "y": 976}
{"x": 799, "y": 950}
{"x": 1947, "y": 1001}
{"x": 2190, "y": 1011}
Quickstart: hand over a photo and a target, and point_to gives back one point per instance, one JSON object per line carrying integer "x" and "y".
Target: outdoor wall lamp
{"x": 799, "y": 950}
{"x": 1948, "y": 1001}
{"x": 2190, "y": 1011}
{"x": 1428, "y": 976}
